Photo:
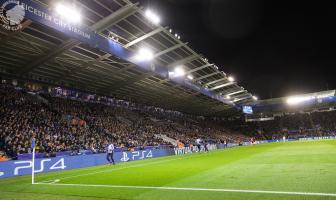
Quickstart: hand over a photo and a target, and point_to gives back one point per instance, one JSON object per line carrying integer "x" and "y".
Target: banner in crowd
{"x": 24, "y": 167}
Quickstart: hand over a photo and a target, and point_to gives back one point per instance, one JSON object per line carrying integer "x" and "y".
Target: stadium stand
{"x": 61, "y": 123}
{"x": 65, "y": 120}
{"x": 60, "y": 117}
{"x": 293, "y": 126}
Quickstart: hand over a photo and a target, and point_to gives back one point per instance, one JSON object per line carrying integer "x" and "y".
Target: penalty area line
{"x": 195, "y": 189}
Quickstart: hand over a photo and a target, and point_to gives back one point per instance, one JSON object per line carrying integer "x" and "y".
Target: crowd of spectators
{"x": 60, "y": 123}
{"x": 75, "y": 124}
{"x": 290, "y": 125}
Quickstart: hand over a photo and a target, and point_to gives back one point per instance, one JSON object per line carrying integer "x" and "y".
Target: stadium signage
{"x": 56, "y": 21}
{"x": 16, "y": 168}
{"x": 187, "y": 150}
{"x": 319, "y": 138}
{"x": 24, "y": 167}
{"x": 11, "y": 15}
{"x": 140, "y": 155}
{"x": 42, "y": 164}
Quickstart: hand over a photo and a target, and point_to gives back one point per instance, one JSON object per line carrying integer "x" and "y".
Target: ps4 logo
{"x": 29, "y": 164}
{"x": 125, "y": 157}
{"x": 136, "y": 155}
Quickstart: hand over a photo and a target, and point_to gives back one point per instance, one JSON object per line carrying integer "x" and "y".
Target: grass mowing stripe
{"x": 157, "y": 160}
{"x": 117, "y": 169}
{"x": 196, "y": 189}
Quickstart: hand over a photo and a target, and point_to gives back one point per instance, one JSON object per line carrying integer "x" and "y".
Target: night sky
{"x": 272, "y": 48}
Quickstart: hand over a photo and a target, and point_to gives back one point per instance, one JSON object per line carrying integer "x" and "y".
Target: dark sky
{"x": 272, "y": 48}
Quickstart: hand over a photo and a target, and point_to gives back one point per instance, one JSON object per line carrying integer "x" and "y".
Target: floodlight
{"x": 302, "y": 98}
{"x": 231, "y": 79}
{"x": 68, "y": 12}
{"x": 228, "y": 96}
{"x": 176, "y": 35}
{"x": 298, "y": 99}
{"x": 179, "y": 71}
{"x": 144, "y": 54}
{"x": 153, "y": 17}
{"x": 190, "y": 77}
{"x": 255, "y": 98}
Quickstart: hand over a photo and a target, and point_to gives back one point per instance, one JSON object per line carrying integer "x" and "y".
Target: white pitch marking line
{"x": 197, "y": 189}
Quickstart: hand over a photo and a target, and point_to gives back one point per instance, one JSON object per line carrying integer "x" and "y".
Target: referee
{"x": 109, "y": 156}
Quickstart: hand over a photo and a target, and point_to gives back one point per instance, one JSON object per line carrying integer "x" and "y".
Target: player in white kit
{"x": 198, "y": 143}
{"x": 109, "y": 156}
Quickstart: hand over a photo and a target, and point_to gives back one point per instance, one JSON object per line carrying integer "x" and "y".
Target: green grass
{"x": 308, "y": 166}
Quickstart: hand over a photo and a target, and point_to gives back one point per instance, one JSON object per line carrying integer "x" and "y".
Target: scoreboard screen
{"x": 247, "y": 110}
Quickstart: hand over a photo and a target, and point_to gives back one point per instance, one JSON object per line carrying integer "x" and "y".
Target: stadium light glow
{"x": 179, "y": 71}
{"x": 298, "y": 99}
{"x": 231, "y": 79}
{"x": 153, "y": 17}
{"x": 190, "y": 77}
{"x": 228, "y": 96}
{"x": 144, "y": 54}
{"x": 68, "y": 13}
{"x": 255, "y": 98}
{"x": 294, "y": 100}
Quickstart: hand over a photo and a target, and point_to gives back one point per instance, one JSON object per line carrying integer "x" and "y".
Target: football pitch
{"x": 286, "y": 171}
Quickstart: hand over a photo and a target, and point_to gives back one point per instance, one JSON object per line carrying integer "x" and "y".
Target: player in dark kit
{"x": 206, "y": 146}
{"x": 109, "y": 156}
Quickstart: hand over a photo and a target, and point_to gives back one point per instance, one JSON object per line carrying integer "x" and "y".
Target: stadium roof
{"x": 43, "y": 53}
